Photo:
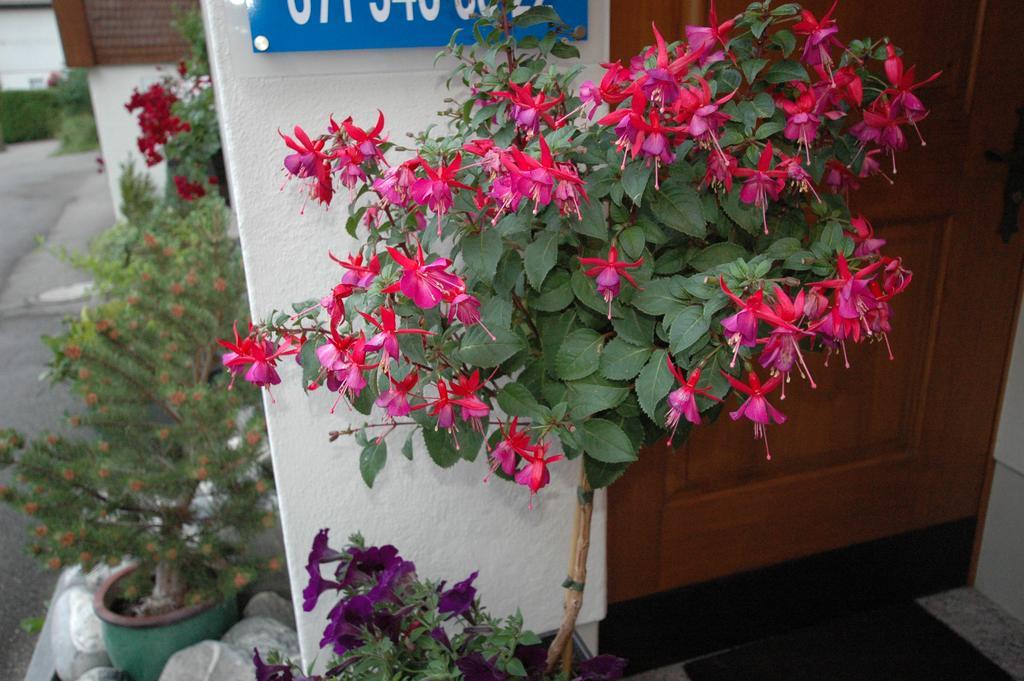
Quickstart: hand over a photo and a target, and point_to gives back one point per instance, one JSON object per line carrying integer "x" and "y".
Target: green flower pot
{"x": 141, "y": 646}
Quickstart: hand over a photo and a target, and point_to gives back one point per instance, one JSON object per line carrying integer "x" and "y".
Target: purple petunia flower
{"x": 319, "y": 554}
{"x": 475, "y": 668}
{"x": 458, "y": 600}
{"x": 601, "y": 668}
{"x": 347, "y": 620}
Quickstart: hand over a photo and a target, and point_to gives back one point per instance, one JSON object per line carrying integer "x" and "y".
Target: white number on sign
{"x": 301, "y": 16}
{"x": 467, "y": 8}
{"x": 381, "y": 9}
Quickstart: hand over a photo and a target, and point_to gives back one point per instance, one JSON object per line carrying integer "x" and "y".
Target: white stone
{"x": 209, "y": 661}
{"x": 264, "y": 634}
{"x": 103, "y": 674}
{"x": 76, "y": 637}
{"x": 447, "y": 521}
{"x": 272, "y": 605}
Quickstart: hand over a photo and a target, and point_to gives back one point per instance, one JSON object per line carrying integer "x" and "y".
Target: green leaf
{"x": 634, "y": 327}
{"x": 534, "y": 16}
{"x": 555, "y": 294}
{"x": 785, "y": 41}
{"x": 786, "y": 71}
{"x": 717, "y": 254}
{"x": 553, "y": 331}
{"x": 632, "y": 241}
{"x": 752, "y": 67}
{"x": 407, "y": 447}
{"x": 565, "y": 50}
{"x": 310, "y": 362}
{"x": 687, "y": 328}
{"x": 634, "y": 180}
{"x": 441, "y": 447}
{"x": 372, "y": 460}
{"x": 606, "y": 442}
{"x": 579, "y": 355}
{"x": 622, "y": 361}
{"x": 481, "y": 253}
{"x": 744, "y": 215}
{"x": 586, "y": 292}
{"x": 515, "y": 667}
{"x": 515, "y": 400}
{"x": 593, "y": 394}
{"x": 654, "y": 384}
{"x": 783, "y": 248}
{"x": 678, "y": 206}
{"x": 601, "y": 474}
{"x": 763, "y": 104}
{"x": 768, "y": 128}
{"x": 658, "y": 297}
{"x": 540, "y": 256}
{"x": 477, "y": 349}
{"x": 600, "y": 184}
{"x": 593, "y": 223}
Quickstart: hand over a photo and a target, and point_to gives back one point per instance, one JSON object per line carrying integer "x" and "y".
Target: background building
{"x": 30, "y": 47}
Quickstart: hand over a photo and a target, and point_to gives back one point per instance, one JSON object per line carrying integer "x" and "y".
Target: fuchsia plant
{"x": 713, "y": 175}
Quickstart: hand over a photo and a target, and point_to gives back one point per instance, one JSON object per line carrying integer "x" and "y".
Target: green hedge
{"x": 29, "y": 115}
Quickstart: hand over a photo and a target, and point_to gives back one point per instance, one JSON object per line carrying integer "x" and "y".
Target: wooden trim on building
{"x": 103, "y": 32}
{"x": 74, "y": 32}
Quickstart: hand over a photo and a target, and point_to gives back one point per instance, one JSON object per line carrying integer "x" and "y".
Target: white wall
{"x": 111, "y": 87}
{"x": 30, "y": 47}
{"x": 1001, "y": 563}
{"x": 445, "y": 520}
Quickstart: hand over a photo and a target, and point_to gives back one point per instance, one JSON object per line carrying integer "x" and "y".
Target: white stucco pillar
{"x": 447, "y": 521}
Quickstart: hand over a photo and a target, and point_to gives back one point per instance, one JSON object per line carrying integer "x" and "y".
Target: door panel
{"x": 886, "y": 446}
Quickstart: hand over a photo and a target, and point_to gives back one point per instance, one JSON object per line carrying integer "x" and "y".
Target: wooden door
{"x": 888, "y": 446}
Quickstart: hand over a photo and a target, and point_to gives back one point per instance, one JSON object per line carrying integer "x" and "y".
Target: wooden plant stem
{"x": 561, "y": 647}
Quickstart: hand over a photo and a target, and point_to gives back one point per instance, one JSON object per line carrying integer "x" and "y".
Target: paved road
{"x": 65, "y": 201}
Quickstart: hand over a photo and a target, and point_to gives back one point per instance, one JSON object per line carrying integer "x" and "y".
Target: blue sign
{"x": 314, "y": 25}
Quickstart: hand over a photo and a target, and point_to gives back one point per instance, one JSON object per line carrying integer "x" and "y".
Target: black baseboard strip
{"x": 685, "y": 623}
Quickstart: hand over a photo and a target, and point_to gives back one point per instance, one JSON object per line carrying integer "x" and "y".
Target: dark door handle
{"x": 1013, "y": 192}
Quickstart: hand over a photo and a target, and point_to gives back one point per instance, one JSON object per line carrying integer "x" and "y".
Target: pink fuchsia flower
{"x": 904, "y": 101}
{"x": 838, "y": 178}
{"x": 257, "y": 356}
{"x": 535, "y": 179}
{"x": 472, "y": 408}
{"x": 702, "y": 114}
{"x": 881, "y": 125}
{"x": 782, "y": 347}
{"x": 386, "y": 338}
{"x": 719, "y": 171}
{"x": 396, "y": 399}
{"x": 395, "y": 185}
{"x": 797, "y": 175}
{"x": 607, "y": 273}
{"x": 425, "y": 284}
{"x": 435, "y": 190}
{"x": 528, "y": 109}
{"x": 466, "y": 308}
{"x": 356, "y": 274}
{"x": 368, "y": 142}
{"x": 344, "y": 359}
{"x": 682, "y": 401}
{"x": 629, "y": 126}
{"x": 821, "y": 37}
{"x": 658, "y": 84}
{"x": 763, "y": 183}
{"x": 864, "y": 238}
{"x": 742, "y": 326}
{"x": 756, "y": 407}
{"x": 710, "y": 41}
{"x": 535, "y": 474}
{"x": 334, "y": 303}
{"x": 845, "y": 85}
{"x": 513, "y": 444}
{"x": 309, "y": 162}
{"x": 854, "y": 296}
{"x": 802, "y": 120}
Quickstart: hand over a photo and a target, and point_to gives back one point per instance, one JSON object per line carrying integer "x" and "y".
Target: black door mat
{"x": 899, "y": 643}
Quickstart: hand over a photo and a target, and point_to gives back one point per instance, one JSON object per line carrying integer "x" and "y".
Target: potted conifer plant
{"x": 167, "y": 476}
{"x": 575, "y": 272}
